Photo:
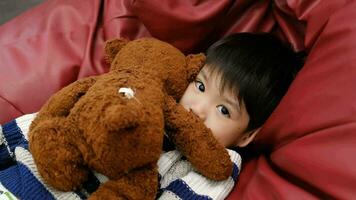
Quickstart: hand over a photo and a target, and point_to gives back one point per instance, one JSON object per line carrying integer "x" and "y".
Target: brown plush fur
{"x": 88, "y": 125}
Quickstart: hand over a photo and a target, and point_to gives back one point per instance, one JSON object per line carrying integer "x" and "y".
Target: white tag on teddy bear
{"x": 128, "y": 92}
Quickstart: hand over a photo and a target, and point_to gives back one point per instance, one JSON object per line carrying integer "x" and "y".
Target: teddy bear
{"x": 114, "y": 123}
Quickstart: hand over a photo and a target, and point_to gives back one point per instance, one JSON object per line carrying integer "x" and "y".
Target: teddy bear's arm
{"x": 60, "y": 104}
{"x": 52, "y": 138}
{"x": 196, "y": 142}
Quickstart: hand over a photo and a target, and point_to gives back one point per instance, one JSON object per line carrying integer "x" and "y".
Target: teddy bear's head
{"x": 157, "y": 58}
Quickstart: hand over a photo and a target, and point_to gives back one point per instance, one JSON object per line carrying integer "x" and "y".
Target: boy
{"x": 244, "y": 78}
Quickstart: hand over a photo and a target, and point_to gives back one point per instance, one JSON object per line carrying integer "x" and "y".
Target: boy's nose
{"x": 200, "y": 110}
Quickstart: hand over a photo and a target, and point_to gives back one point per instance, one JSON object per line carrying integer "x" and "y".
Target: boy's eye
{"x": 200, "y": 86}
{"x": 223, "y": 110}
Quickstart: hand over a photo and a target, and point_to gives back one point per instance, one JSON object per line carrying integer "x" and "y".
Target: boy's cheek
{"x": 186, "y": 98}
{"x": 183, "y": 102}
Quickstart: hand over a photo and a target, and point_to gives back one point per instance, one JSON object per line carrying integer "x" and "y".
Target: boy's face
{"x": 221, "y": 112}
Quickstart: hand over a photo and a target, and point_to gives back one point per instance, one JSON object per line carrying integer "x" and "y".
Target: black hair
{"x": 258, "y": 68}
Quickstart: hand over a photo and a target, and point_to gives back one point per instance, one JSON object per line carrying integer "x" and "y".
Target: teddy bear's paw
{"x": 64, "y": 181}
{"x": 103, "y": 195}
{"x": 114, "y": 191}
{"x": 137, "y": 184}
{"x": 119, "y": 190}
{"x": 214, "y": 163}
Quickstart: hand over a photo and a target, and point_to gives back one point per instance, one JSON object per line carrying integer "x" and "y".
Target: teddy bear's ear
{"x": 194, "y": 64}
{"x": 112, "y": 47}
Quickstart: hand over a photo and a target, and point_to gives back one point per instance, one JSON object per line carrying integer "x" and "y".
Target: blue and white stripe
{"x": 179, "y": 179}
{"x": 22, "y": 178}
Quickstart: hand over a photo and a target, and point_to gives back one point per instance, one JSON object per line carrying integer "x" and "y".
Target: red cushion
{"x": 60, "y": 41}
{"x": 308, "y": 138}
{"x": 45, "y": 49}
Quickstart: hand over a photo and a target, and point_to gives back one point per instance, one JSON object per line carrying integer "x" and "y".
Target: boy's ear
{"x": 247, "y": 138}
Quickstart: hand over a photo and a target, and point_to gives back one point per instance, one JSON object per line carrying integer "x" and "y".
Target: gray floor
{"x": 12, "y": 8}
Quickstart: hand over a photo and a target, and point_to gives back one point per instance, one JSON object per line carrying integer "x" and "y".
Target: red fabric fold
{"x": 308, "y": 139}
{"x": 310, "y": 136}
{"x": 45, "y": 49}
